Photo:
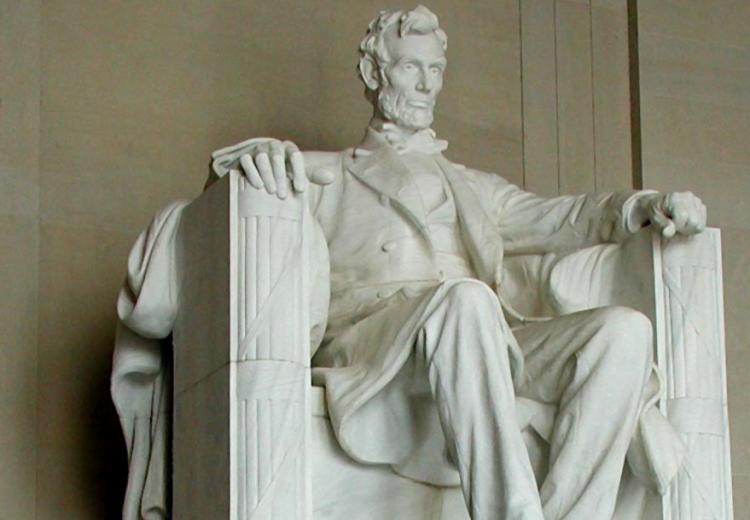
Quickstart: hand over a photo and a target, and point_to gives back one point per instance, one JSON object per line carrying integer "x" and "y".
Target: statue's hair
{"x": 419, "y": 20}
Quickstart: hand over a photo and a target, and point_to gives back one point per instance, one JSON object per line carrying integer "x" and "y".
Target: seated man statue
{"x": 421, "y": 369}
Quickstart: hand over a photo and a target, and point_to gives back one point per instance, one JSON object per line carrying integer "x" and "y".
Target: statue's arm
{"x": 140, "y": 388}
{"x": 531, "y": 224}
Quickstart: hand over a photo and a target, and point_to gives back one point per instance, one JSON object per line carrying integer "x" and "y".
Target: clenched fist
{"x": 672, "y": 213}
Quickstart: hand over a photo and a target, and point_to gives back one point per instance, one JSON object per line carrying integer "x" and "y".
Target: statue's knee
{"x": 628, "y": 336}
{"x": 469, "y": 296}
{"x": 624, "y": 322}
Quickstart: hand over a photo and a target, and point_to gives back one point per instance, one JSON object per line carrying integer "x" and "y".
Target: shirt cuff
{"x": 630, "y": 222}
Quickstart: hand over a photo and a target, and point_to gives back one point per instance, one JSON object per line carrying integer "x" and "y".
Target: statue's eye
{"x": 409, "y": 67}
{"x": 436, "y": 71}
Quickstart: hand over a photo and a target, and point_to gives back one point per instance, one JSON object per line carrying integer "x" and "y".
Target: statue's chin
{"x": 396, "y": 110}
{"x": 411, "y": 119}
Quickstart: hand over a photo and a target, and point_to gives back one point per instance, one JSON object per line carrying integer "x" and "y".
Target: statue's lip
{"x": 420, "y": 104}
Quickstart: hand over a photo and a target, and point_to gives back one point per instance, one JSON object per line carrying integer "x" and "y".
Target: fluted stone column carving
{"x": 242, "y": 356}
{"x": 691, "y": 354}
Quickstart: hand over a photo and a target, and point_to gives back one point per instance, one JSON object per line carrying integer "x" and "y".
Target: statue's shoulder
{"x": 321, "y": 159}
{"x": 331, "y": 161}
{"x": 480, "y": 179}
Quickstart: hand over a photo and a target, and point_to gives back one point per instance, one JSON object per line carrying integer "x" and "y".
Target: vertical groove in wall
{"x": 557, "y": 97}
{"x": 593, "y": 89}
{"x": 539, "y": 96}
{"x": 39, "y": 22}
{"x": 635, "y": 95}
{"x": 520, "y": 75}
{"x": 574, "y": 96}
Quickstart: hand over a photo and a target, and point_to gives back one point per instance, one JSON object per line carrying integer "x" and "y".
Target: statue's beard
{"x": 395, "y": 108}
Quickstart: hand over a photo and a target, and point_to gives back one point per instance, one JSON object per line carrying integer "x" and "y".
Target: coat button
{"x": 412, "y": 292}
{"x": 384, "y": 200}
{"x": 385, "y": 293}
{"x": 388, "y": 247}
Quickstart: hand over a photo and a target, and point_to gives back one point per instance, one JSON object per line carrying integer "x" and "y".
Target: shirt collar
{"x": 388, "y": 134}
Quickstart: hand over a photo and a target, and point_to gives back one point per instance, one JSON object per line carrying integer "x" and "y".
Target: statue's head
{"x": 402, "y": 60}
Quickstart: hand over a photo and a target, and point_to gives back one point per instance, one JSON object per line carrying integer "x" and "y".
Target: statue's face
{"x": 413, "y": 79}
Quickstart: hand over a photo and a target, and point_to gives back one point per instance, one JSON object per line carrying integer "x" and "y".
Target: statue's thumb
{"x": 668, "y": 228}
{"x": 321, "y": 176}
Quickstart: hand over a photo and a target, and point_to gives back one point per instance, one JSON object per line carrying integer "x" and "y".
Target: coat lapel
{"x": 485, "y": 246}
{"x": 481, "y": 235}
{"x": 384, "y": 172}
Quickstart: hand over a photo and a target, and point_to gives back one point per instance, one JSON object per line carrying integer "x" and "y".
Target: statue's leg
{"x": 461, "y": 344}
{"x": 594, "y": 366}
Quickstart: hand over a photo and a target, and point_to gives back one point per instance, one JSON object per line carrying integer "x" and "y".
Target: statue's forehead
{"x": 427, "y": 47}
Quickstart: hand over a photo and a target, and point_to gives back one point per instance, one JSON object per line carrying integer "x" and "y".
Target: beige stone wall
{"x": 576, "y": 96}
{"x": 695, "y": 111}
{"x": 19, "y": 253}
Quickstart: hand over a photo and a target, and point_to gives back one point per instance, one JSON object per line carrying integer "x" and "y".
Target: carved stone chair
{"x": 252, "y": 439}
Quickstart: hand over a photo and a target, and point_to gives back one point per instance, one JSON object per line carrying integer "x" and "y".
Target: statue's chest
{"x": 426, "y": 187}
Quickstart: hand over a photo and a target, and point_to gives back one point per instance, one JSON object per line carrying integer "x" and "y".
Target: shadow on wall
{"x": 82, "y": 460}
{"x": 108, "y": 464}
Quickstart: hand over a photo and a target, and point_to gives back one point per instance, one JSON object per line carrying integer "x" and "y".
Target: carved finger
{"x": 669, "y": 230}
{"x": 697, "y": 221}
{"x": 664, "y": 223}
{"x": 278, "y": 162}
{"x": 680, "y": 217}
{"x": 290, "y": 148}
{"x": 251, "y": 172}
{"x": 692, "y": 225}
{"x": 298, "y": 170}
{"x": 261, "y": 148}
{"x": 701, "y": 226}
{"x": 266, "y": 172}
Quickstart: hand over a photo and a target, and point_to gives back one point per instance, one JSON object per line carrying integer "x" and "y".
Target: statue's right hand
{"x": 272, "y": 164}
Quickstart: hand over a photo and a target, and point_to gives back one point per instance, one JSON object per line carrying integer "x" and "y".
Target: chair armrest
{"x": 561, "y": 283}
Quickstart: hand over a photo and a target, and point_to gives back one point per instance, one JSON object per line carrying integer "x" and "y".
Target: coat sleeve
{"x": 141, "y": 375}
{"x": 530, "y": 224}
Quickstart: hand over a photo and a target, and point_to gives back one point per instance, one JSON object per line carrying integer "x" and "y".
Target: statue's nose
{"x": 425, "y": 84}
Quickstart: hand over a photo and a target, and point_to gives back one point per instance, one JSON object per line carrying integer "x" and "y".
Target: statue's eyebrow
{"x": 409, "y": 59}
{"x": 440, "y": 62}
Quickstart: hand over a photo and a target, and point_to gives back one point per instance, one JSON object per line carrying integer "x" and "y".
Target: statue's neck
{"x": 379, "y": 123}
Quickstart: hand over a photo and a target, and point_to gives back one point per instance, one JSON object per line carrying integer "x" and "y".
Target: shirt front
{"x": 431, "y": 190}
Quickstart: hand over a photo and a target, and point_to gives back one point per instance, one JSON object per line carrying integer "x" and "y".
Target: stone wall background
{"x": 110, "y": 110}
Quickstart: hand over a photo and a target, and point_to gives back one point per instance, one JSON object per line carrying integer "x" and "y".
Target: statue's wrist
{"x": 638, "y": 210}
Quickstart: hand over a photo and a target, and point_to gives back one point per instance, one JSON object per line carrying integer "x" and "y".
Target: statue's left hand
{"x": 677, "y": 212}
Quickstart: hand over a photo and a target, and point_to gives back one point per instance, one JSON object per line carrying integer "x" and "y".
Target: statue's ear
{"x": 369, "y": 71}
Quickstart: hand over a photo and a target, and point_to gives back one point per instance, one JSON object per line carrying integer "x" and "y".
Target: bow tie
{"x": 422, "y": 141}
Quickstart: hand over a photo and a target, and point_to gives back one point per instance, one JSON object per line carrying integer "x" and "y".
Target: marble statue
{"x": 427, "y": 366}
